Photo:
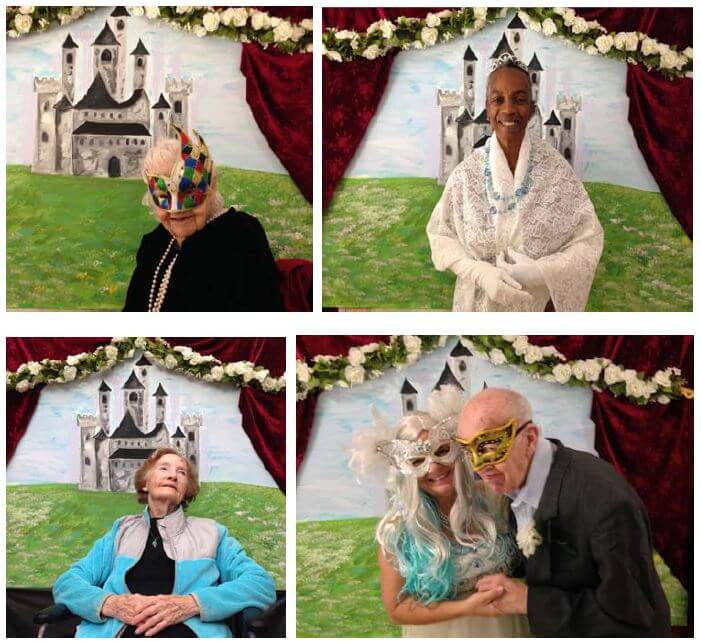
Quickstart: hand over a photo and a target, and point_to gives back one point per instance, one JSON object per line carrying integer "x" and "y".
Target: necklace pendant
{"x": 154, "y": 543}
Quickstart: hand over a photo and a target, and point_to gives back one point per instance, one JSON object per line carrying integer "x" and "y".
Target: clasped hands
{"x": 150, "y": 614}
{"x": 511, "y": 595}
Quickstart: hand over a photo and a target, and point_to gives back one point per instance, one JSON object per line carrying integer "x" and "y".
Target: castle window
{"x": 133, "y": 397}
{"x": 450, "y": 120}
{"x": 192, "y": 458}
{"x": 448, "y": 150}
{"x": 85, "y": 114}
{"x": 82, "y": 141}
{"x": 87, "y": 461}
{"x": 517, "y": 38}
{"x": 106, "y": 56}
{"x": 119, "y": 116}
{"x": 46, "y": 106}
{"x": 568, "y": 154}
{"x": 44, "y": 137}
{"x": 69, "y": 58}
{"x": 94, "y": 113}
{"x": 127, "y": 141}
{"x": 462, "y": 367}
{"x": 568, "y": 124}
{"x": 111, "y": 115}
{"x": 143, "y": 142}
{"x": 160, "y": 116}
{"x": 120, "y": 24}
{"x": 410, "y": 406}
{"x": 91, "y": 141}
{"x": 135, "y": 141}
{"x": 178, "y": 107}
{"x": 469, "y": 70}
{"x": 191, "y": 437}
{"x": 139, "y": 62}
{"x": 552, "y": 132}
{"x": 110, "y": 142}
{"x": 534, "y": 77}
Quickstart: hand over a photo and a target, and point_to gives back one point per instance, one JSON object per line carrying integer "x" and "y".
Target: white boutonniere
{"x": 528, "y": 538}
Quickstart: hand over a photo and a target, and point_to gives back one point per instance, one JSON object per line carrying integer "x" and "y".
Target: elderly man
{"x": 583, "y": 530}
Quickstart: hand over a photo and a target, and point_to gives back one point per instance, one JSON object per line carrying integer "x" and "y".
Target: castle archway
{"x": 114, "y": 169}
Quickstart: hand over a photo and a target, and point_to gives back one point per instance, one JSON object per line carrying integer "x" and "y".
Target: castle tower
{"x": 179, "y": 441}
{"x": 179, "y": 90}
{"x": 448, "y": 378}
{"x": 481, "y": 127}
{"x": 88, "y": 459}
{"x": 134, "y": 400}
{"x": 117, "y": 22}
{"x": 104, "y": 395}
{"x": 106, "y": 59}
{"x": 515, "y": 32}
{"x": 142, "y": 367}
{"x": 160, "y": 395}
{"x": 502, "y": 48}
{"x": 460, "y": 364}
{"x": 552, "y": 128}
{"x": 68, "y": 67}
{"x": 140, "y": 54}
{"x": 161, "y": 118}
{"x": 468, "y": 92}
{"x": 465, "y": 131}
{"x": 534, "y": 70}
{"x": 409, "y": 397}
{"x": 191, "y": 425}
{"x": 567, "y": 109}
{"x": 47, "y": 91}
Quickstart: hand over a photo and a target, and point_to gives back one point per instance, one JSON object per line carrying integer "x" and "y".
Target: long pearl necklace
{"x": 155, "y": 299}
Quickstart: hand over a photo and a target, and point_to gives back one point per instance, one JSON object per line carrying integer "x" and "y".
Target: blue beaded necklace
{"x": 510, "y": 201}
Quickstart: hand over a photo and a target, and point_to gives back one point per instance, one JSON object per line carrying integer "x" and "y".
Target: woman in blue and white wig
{"x": 442, "y": 530}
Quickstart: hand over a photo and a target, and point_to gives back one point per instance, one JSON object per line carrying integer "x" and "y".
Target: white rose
{"x": 432, "y": 20}
{"x": 269, "y": 385}
{"x": 631, "y": 41}
{"x": 592, "y": 370}
{"x": 33, "y": 367}
{"x": 562, "y": 373}
{"x": 12, "y": 33}
{"x": 183, "y": 10}
{"x": 235, "y": 16}
{"x": 549, "y": 27}
{"x": 429, "y": 36}
{"x": 509, "y": 339}
{"x": 663, "y": 378}
{"x": 560, "y": 11}
{"x": 302, "y": 372}
{"x": 662, "y": 399}
{"x": 604, "y": 43}
{"x": 195, "y": 359}
{"x": 592, "y": 50}
{"x": 23, "y": 23}
{"x": 649, "y": 47}
{"x": 185, "y": 351}
{"x": 26, "y": 9}
{"x": 22, "y": 386}
{"x": 354, "y": 375}
{"x": 479, "y": 24}
{"x": 136, "y": 11}
{"x": 69, "y": 373}
{"x": 533, "y": 354}
{"x": 480, "y": 13}
{"x": 578, "y": 370}
{"x": 412, "y": 344}
{"x": 77, "y": 12}
{"x": 689, "y": 53}
{"x": 497, "y": 357}
{"x": 549, "y": 351}
{"x": 669, "y": 60}
{"x": 356, "y": 356}
{"x": 307, "y": 24}
{"x": 568, "y": 16}
{"x": 72, "y": 360}
{"x": 282, "y": 32}
{"x": 370, "y": 347}
{"x": 260, "y": 20}
{"x": 297, "y": 33}
{"x": 534, "y": 25}
{"x": 210, "y": 21}
{"x": 613, "y": 374}
{"x": 217, "y": 373}
{"x": 111, "y": 352}
{"x": 261, "y": 374}
{"x": 637, "y": 388}
{"x": 528, "y": 538}
{"x": 170, "y": 361}
{"x": 520, "y": 345}
{"x": 140, "y": 343}
{"x": 334, "y": 55}
{"x": 579, "y": 25}
{"x": 152, "y": 12}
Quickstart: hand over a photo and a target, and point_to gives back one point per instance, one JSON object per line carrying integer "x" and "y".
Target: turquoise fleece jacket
{"x": 209, "y": 564}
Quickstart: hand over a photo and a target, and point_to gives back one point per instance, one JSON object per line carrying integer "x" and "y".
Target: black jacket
{"x": 226, "y": 266}
{"x": 593, "y": 574}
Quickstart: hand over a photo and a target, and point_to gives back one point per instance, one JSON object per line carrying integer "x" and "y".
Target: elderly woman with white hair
{"x": 442, "y": 530}
{"x": 203, "y": 256}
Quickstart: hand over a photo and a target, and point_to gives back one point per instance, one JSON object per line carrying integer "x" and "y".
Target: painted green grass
{"x": 51, "y": 526}
{"x": 376, "y": 254}
{"x": 72, "y": 241}
{"x": 338, "y": 582}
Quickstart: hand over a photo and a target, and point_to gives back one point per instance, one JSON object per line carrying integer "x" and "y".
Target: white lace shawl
{"x": 554, "y": 223}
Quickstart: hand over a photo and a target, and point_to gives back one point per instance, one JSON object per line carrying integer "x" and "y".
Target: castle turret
{"x": 409, "y": 397}
{"x": 117, "y": 22}
{"x": 449, "y": 102}
{"x": 552, "y": 128}
{"x": 142, "y": 367}
{"x": 481, "y": 127}
{"x": 161, "y": 118}
{"x": 515, "y": 32}
{"x": 106, "y": 60}
{"x": 47, "y": 91}
{"x": 503, "y": 48}
{"x": 459, "y": 359}
{"x": 68, "y": 67}
{"x": 465, "y": 134}
{"x": 134, "y": 400}
{"x": 448, "y": 378}
{"x": 160, "y": 395}
{"x": 104, "y": 394}
{"x": 567, "y": 108}
{"x": 468, "y": 93}
{"x": 179, "y": 90}
{"x": 534, "y": 70}
{"x": 141, "y": 55}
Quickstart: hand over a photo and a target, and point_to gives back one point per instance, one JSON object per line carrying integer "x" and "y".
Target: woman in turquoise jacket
{"x": 161, "y": 573}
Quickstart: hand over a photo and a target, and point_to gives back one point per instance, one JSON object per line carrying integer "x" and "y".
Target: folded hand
{"x": 514, "y": 599}
{"x": 522, "y": 268}
{"x": 125, "y": 607}
{"x": 162, "y": 611}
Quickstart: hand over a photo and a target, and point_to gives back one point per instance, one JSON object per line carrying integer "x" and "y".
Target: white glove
{"x": 522, "y": 268}
{"x": 495, "y": 282}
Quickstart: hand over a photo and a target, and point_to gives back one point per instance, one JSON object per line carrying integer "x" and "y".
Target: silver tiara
{"x": 504, "y": 59}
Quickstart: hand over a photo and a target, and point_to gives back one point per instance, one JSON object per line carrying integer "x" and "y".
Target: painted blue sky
{"x": 50, "y": 450}
{"x": 404, "y": 137}
{"x": 326, "y": 489}
{"x": 218, "y": 108}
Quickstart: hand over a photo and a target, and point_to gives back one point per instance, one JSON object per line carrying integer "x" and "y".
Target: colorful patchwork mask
{"x": 188, "y": 183}
{"x": 491, "y": 447}
{"x": 413, "y": 458}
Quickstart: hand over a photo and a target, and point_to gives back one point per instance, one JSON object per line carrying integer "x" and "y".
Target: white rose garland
{"x": 180, "y": 358}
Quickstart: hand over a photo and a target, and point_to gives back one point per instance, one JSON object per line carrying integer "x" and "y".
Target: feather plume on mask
{"x": 365, "y": 461}
{"x": 445, "y": 402}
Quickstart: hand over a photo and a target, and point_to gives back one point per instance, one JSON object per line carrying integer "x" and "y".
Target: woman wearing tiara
{"x": 204, "y": 256}
{"x": 442, "y": 531}
{"x": 514, "y": 222}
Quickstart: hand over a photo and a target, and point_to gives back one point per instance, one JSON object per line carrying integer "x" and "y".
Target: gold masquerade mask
{"x": 491, "y": 447}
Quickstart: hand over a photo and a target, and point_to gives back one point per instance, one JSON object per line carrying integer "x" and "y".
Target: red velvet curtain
{"x": 279, "y": 93}
{"x": 660, "y": 111}
{"x": 263, "y": 415}
{"x": 296, "y": 284}
{"x": 651, "y": 446}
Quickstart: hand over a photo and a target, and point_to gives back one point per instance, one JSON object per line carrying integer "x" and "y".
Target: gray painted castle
{"x": 456, "y": 372}
{"x": 104, "y": 134}
{"x": 109, "y": 458}
{"x": 462, "y": 129}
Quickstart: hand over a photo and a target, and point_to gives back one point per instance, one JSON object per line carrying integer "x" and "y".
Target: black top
{"x": 226, "y": 266}
{"x": 154, "y": 573}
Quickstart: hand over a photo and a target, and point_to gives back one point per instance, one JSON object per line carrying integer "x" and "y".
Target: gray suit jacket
{"x": 593, "y": 574}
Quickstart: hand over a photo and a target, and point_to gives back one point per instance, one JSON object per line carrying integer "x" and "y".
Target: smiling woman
{"x": 161, "y": 573}
{"x": 514, "y": 222}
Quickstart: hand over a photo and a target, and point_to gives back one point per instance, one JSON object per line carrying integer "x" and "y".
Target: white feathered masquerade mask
{"x": 376, "y": 448}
